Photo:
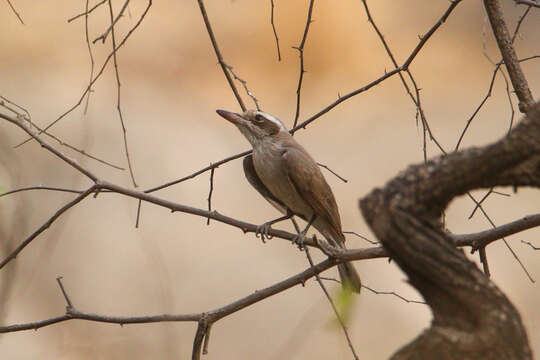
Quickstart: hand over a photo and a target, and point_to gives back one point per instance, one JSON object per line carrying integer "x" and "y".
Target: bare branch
{"x": 528, "y": 2}
{"x": 210, "y": 194}
{"x": 110, "y": 29}
{"x": 531, "y": 245}
{"x": 46, "y": 225}
{"x": 361, "y": 237}
{"x": 521, "y": 87}
{"x": 336, "y": 312}
{"x": 415, "y": 98}
{"x": 394, "y": 294}
{"x": 199, "y": 172}
{"x": 42, "y": 188}
{"x": 483, "y": 238}
{"x": 87, "y": 11}
{"x": 333, "y": 172}
{"x": 15, "y": 11}
{"x": 64, "y": 293}
{"x": 244, "y": 84}
{"x": 34, "y": 135}
{"x": 98, "y": 75}
{"x": 405, "y": 66}
{"x": 117, "y": 76}
{"x": 300, "y": 49}
{"x": 219, "y": 56}
{"x": 274, "y": 29}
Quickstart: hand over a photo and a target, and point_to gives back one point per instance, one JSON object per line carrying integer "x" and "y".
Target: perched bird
{"x": 283, "y": 172}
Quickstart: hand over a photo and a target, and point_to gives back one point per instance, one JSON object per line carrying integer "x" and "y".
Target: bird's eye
{"x": 259, "y": 118}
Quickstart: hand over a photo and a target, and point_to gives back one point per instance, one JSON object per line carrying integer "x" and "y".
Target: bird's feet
{"x": 299, "y": 240}
{"x": 263, "y": 231}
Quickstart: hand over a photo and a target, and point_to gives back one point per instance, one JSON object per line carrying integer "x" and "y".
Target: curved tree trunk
{"x": 472, "y": 318}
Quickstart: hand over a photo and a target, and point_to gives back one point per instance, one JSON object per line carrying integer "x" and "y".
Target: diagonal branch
{"x": 300, "y": 49}
{"x": 500, "y": 30}
{"x": 403, "y": 67}
{"x": 219, "y": 56}
{"x": 46, "y": 225}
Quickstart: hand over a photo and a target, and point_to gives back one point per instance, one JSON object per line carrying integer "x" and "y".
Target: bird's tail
{"x": 348, "y": 274}
{"x": 349, "y": 277}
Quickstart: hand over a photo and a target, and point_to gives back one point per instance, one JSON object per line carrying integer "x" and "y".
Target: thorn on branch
{"x": 138, "y": 214}
{"x": 64, "y": 293}
{"x": 531, "y": 245}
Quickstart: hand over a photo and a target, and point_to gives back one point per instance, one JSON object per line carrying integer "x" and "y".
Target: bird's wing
{"x": 255, "y": 181}
{"x": 310, "y": 184}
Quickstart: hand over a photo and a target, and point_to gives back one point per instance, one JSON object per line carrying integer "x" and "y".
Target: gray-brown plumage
{"x": 283, "y": 172}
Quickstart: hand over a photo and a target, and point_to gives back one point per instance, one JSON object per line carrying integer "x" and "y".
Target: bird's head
{"x": 254, "y": 124}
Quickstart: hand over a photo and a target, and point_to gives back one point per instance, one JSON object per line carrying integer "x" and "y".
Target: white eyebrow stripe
{"x": 273, "y": 119}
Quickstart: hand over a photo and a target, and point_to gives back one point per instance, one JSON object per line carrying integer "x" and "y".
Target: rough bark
{"x": 472, "y": 318}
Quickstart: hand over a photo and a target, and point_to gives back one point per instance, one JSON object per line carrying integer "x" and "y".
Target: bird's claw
{"x": 299, "y": 240}
{"x": 263, "y": 230}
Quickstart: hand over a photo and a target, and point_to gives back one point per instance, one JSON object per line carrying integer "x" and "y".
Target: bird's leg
{"x": 299, "y": 239}
{"x": 263, "y": 229}
{"x": 296, "y": 227}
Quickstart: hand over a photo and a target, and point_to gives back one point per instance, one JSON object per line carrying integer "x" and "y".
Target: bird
{"x": 286, "y": 175}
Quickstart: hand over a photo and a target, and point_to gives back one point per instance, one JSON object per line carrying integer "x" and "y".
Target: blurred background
{"x": 171, "y": 86}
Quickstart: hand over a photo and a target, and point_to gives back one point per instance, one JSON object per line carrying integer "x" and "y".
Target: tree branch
{"x": 500, "y": 30}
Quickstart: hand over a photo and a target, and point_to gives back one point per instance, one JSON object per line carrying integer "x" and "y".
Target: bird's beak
{"x": 235, "y": 118}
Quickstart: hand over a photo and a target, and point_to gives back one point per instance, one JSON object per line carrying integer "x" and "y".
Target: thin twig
{"x": 210, "y": 194}
{"x": 274, "y": 29}
{"x": 387, "y": 75}
{"x": 34, "y": 135}
{"x": 493, "y": 76}
{"x": 110, "y": 29}
{"x": 531, "y": 245}
{"x": 244, "y": 84}
{"x": 66, "y": 297}
{"x": 198, "y": 339}
{"x": 394, "y": 294}
{"x": 219, "y": 56}
{"x": 80, "y": 151}
{"x": 479, "y": 203}
{"x": 90, "y": 55}
{"x": 98, "y": 75}
{"x": 118, "y": 96}
{"x": 207, "y": 339}
{"x": 416, "y": 100}
{"x": 338, "y": 315}
{"x": 333, "y": 172}
{"x": 520, "y": 21}
{"x": 300, "y": 49}
{"x": 484, "y": 261}
{"x": 361, "y": 237}
{"x": 46, "y": 225}
{"x": 87, "y": 11}
{"x": 508, "y": 246}
{"x": 138, "y": 214}
{"x": 42, "y": 188}
{"x": 15, "y": 12}
{"x": 528, "y": 2}
{"x": 198, "y": 172}
{"x": 26, "y": 116}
